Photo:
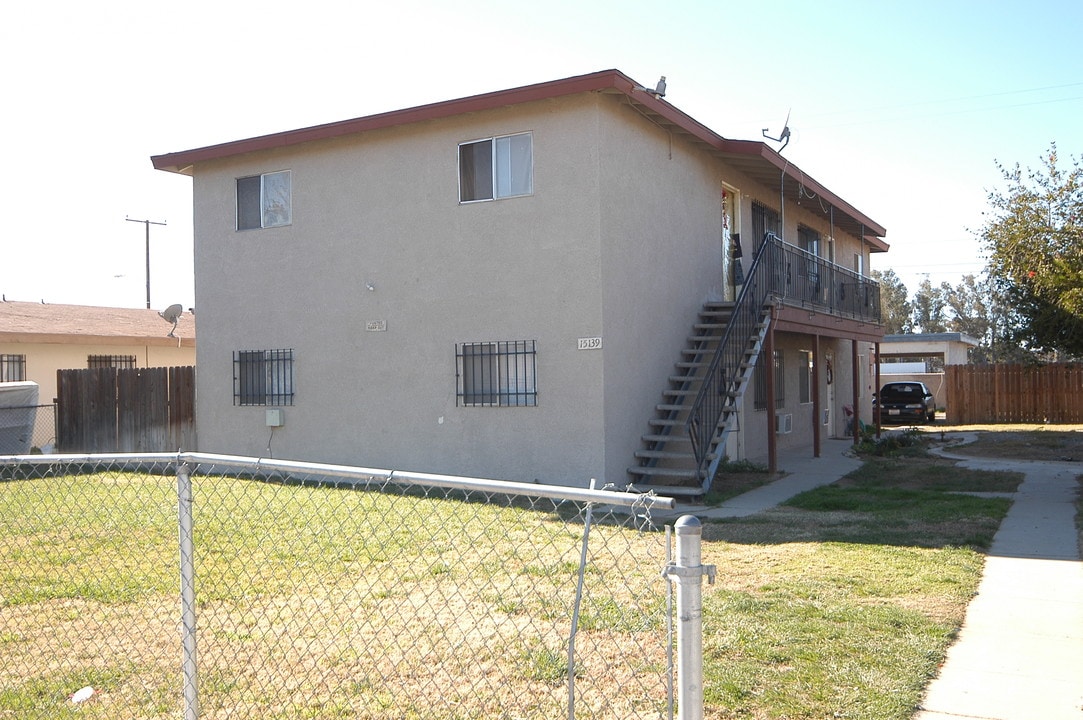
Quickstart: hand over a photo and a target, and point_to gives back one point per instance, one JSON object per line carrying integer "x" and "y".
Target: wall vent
{"x": 784, "y": 424}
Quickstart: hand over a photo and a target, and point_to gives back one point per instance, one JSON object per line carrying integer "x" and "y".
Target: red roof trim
{"x": 181, "y": 162}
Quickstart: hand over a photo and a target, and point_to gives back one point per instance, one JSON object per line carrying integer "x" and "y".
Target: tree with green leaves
{"x": 967, "y": 305}
{"x": 895, "y": 309}
{"x": 928, "y": 308}
{"x": 1034, "y": 237}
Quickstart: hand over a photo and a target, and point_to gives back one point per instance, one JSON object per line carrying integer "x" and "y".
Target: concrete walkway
{"x": 803, "y": 472}
{"x": 1019, "y": 655}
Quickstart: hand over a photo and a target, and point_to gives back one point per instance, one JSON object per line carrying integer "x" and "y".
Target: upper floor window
{"x": 125, "y": 362}
{"x": 263, "y": 377}
{"x": 808, "y": 239}
{"x": 264, "y": 201}
{"x": 497, "y": 373}
{"x": 12, "y": 368}
{"x": 764, "y": 220}
{"x": 497, "y": 167}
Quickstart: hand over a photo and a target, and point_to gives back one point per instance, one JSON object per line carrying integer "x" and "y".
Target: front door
{"x": 732, "y": 275}
{"x": 829, "y": 409}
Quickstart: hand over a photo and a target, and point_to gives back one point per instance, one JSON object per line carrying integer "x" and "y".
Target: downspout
{"x": 769, "y": 376}
{"x": 855, "y": 371}
{"x": 816, "y": 396}
{"x": 876, "y": 412}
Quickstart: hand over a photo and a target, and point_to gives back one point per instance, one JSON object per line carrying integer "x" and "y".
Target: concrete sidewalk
{"x": 803, "y": 472}
{"x": 1019, "y": 655}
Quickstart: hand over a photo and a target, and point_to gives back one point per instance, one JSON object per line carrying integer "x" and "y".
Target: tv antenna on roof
{"x": 784, "y": 136}
{"x": 172, "y": 314}
{"x": 659, "y": 90}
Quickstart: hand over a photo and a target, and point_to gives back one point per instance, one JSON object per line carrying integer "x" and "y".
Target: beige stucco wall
{"x": 620, "y": 240}
{"x": 832, "y": 397}
{"x": 44, "y": 359}
{"x": 383, "y": 210}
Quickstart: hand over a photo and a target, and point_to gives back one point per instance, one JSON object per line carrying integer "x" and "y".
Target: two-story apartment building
{"x": 529, "y": 284}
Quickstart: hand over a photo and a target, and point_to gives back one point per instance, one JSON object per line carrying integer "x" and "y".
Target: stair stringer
{"x": 731, "y": 416}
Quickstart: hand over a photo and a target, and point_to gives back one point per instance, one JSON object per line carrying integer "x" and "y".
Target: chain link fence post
{"x": 687, "y": 573}
{"x": 188, "y": 592}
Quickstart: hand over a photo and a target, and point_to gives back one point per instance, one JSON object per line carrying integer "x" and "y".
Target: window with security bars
{"x": 263, "y": 377}
{"x": 764, "y": 220}
{"x": 760, "y": 400}
{"x": 125, "y": 362}
{"x": 12, "y": 368}
{"x": 497, "y": 374}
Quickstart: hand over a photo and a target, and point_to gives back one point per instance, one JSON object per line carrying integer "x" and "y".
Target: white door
{"x": 829, "y": 408}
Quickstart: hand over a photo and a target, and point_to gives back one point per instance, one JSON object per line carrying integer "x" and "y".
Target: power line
{"x": 147, "y": 223}
{"x": 961, "y": 99}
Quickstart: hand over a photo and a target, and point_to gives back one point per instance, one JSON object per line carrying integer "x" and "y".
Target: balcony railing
{"x": 779, "y": 272}
{"x": 802, "y": 279}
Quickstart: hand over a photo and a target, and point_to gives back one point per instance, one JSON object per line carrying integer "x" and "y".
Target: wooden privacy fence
{"x": 125, "y": 410}
{"x": 1014, "y": 393}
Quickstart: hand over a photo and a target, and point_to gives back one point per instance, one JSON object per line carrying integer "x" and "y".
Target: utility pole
{"x": 147, "y": 224}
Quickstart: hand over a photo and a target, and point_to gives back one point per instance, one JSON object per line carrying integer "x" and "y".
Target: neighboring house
{"x": 529, "y": 285}
{"x": 923, "y": 356}
{"x": 37, "y": 339}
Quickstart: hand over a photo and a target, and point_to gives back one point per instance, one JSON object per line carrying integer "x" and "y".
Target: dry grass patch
{"x": 317, "y": 602}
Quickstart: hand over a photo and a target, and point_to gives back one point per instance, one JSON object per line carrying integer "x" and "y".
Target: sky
{"x": 902, "y": 109}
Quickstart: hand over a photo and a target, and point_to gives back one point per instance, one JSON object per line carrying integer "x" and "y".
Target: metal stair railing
{"x": 794, "y": 277}
{"x": 723, "y": 376}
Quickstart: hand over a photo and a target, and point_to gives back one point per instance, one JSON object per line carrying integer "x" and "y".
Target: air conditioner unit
{"x": 784, "y": 424}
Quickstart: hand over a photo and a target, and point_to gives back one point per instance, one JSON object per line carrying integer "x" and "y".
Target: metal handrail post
{"x": 687, "y": 573}
{"x": 188, "y": 593}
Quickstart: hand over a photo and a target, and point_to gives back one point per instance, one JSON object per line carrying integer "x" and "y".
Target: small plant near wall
{"x": 908, "y": 442}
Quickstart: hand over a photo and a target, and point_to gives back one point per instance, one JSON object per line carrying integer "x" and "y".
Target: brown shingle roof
{"x": 45, "y": 323}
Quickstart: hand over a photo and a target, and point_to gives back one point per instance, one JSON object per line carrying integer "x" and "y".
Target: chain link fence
{"x": 166, "y": 586}
{"x": 27, "y": 429}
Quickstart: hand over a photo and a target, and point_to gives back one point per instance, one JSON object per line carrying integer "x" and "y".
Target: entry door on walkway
{"x": 829, "y": 408}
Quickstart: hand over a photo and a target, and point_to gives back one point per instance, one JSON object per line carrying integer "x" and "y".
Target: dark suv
{"x": 905, "y": 402}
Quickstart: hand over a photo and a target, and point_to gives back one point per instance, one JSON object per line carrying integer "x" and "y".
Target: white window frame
{"x": 805, "y": 377}
{"x": 275, "y": 200}
{"x": 506, "y": 177}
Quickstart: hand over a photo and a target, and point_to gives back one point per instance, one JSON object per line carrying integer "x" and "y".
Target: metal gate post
{"x": 687, "y": 574}
{"x": 188, "y": 593}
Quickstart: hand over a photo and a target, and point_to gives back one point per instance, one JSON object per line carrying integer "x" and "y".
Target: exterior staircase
{"x": 667, "y": 463}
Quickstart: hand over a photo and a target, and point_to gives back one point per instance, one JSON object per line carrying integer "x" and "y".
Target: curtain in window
{"x": 276, "y": 203}
{"x": 514, "y": 163}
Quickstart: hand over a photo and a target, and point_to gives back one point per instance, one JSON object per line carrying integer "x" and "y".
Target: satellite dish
{"x": 784, "y": 136}
{"x": 172, "y": 314}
